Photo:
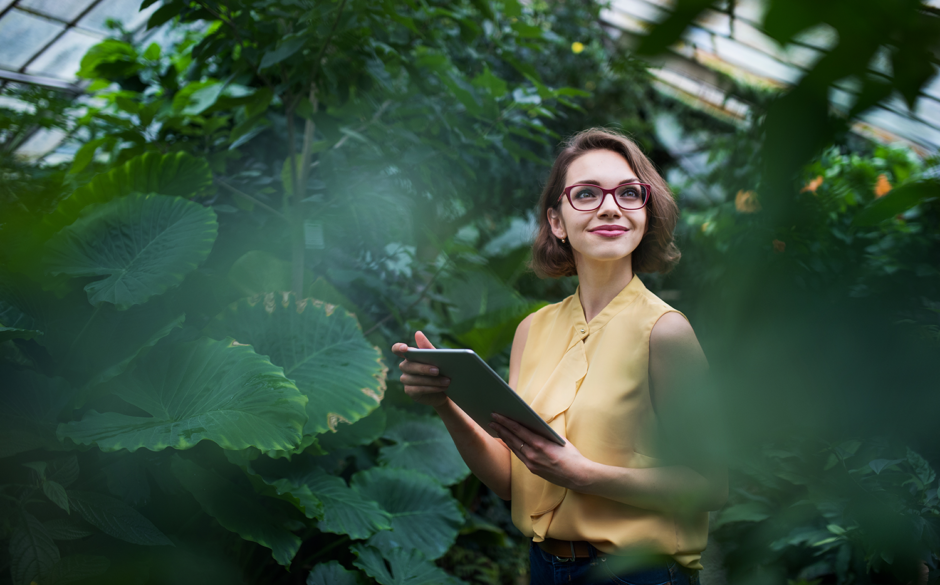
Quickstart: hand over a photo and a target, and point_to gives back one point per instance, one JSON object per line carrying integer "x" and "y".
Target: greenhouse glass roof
{"x": 44, "y": 41}
{"x": 736, "y": 46}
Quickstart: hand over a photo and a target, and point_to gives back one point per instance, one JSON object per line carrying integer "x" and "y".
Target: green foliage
{"x": 168, "y": 238}
{"x": 813, "y": 511}
{"x": 213, "y": 391}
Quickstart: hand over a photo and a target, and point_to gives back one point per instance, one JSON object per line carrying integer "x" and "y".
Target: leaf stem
{"x": 250, "y": 198}
{"x": 424, "y": 291}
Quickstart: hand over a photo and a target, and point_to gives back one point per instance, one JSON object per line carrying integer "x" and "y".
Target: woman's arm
{"x": 487, "y": 458}
{"x": 697, "y": 482}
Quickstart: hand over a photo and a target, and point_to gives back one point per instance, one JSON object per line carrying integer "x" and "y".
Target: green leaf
{"x": 424, "y": 514}
{"x": 110, "y": 59}
{"x": 116, "y": 518}
{"x": 92, "y": 345}
{"x": 236, "y": 510}
{"x": 33, "y": 554}
{"x": 179, "y": 174}
{"x": 405, "y": 567}
{"x": 75, "y": 568}
{"x": 320, "y": 348}
{"x": 258, "y": 272}
{"x": 29, "y": 407}
{"x": 63, "y": 470}
{"x": 201, "y": 99}
{"x": 667, "y": 32}
{"x": 290, "y": 45}
{"x": 922, "y": 469}
{"x": 201, "y": 390}
{"x": 491, "y": 83}
{"x": 145, "y": 244}
{"x": 287, "y": 177}
{"x": 85, "y": 155}
{"x": 344, "y": 510}
{"x": 333, "y": 573}
{"x": 8, "y": 333}
{"x": 896, "y": 202}
{"x": 56, "y": 493}
{"x": 878, "y": 465}
{"x": 362, "y": 432}
{"x": 746, "y": 512}
{"x": 422, "y": 443}
{"x": 67, "y": 529}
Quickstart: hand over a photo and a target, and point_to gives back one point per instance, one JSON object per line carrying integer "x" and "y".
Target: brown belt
{"x": 563, "y": 548}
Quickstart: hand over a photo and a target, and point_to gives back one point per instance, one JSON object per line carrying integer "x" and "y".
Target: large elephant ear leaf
{"x": 400, "y": 567}
{"x": 144, "y": 244}
{"x": 339, "y": 508}
{"x": 92, "y": 345}
{"x": 178, "y": 174}
{"x": 238, "y": 511}
{"x": 423, "y": 444}
{"x": 333, "y": 573}
{"x": 29, "y": 406}
{"x": 321, "y": 349}
{"x": 201, "y": 390}
{"x": 424, "y": 516}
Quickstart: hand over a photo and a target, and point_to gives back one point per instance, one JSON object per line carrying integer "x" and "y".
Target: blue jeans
{"x": 546, "y": 569}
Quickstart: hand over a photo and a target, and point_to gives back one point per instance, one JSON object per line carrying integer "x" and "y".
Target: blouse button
{"x": 582, "y": 331}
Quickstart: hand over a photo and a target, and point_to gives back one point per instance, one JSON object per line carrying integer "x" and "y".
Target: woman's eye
{"x": 584, "y": 194}
{"x": 630, "y": 193}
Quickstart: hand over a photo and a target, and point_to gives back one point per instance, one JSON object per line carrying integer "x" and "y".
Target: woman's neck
{"x": 600, "y": 282}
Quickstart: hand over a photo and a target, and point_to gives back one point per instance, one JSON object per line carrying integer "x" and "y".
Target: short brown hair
{"x": 656, "y": 253}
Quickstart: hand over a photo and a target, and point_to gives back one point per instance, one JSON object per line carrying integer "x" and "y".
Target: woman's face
{"x": 608, "y": 233}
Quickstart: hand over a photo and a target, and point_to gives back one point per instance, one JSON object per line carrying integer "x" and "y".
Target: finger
{"x": 512, "y": 441}
{"x": 399, "y": 349}
{"x": 418, "y": 368}
{"x": 422, "y": 341}
{"x": 518, "y": 430}
{"x": 433, "y": 381}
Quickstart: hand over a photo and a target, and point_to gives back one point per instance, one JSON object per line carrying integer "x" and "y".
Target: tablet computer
{"x": 479, "y": 391}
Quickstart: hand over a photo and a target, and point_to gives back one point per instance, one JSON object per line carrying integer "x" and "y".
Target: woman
{"x": 609, "y": 369}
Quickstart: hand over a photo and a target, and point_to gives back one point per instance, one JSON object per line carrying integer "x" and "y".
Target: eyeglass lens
{"x": 588, "y": 197}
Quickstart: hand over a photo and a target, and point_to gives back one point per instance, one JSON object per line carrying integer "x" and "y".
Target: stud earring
{"x": 563, "y": 240}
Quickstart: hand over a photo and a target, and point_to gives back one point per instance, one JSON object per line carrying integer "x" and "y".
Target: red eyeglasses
{"x": 627, "y": 196}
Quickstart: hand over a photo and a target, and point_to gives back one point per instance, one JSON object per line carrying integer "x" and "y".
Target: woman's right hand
{"x": 423, "y": 382}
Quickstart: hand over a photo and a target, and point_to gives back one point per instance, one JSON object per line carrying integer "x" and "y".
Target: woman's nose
{"x": 609, "y": 206}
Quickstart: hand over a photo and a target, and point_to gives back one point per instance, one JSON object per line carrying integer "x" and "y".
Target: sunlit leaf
{"x": 321, "y": 349}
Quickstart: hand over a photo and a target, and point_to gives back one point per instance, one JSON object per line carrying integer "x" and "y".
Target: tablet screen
{"x": 480, "y": 391}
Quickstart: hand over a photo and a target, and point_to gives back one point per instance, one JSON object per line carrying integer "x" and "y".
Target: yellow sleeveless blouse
{"x": 590, "y": 382}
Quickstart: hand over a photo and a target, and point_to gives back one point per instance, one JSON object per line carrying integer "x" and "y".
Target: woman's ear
{"x": 557, "y": 224}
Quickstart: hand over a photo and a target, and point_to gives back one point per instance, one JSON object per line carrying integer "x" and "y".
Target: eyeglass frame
{"x": 566, "y": 192}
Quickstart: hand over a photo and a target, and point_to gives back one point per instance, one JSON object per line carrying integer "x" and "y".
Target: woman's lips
{"x": 609, "y": 232}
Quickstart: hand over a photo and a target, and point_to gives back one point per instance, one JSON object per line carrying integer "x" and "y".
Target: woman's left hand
{"x": 564, "y": 466}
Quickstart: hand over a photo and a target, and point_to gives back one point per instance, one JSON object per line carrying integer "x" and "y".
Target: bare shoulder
{"x": 518, "y": 347}
{"x": 672, "y": 337}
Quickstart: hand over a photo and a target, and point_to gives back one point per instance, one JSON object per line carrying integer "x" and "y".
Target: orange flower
{"x": 813, "y": 185}
{"x": 780, "y": 246}
{"x": 882, "y": 186}
{"x": 746, "y": 202}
